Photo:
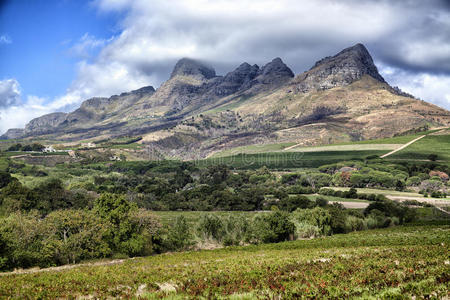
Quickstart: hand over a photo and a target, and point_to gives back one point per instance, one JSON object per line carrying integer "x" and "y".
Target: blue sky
{"x": 42, "y": 33}
{"x": 56, "y": 53}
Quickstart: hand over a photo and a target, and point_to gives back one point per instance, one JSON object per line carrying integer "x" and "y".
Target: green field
{"x": 251, "y": 149}
{"x": 431, "y": 144}
{"x": 288, "y": 160}
{"x": 394, "y": 263}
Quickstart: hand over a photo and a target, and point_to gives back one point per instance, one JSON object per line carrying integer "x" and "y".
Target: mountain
{"x": 196, "y": 112}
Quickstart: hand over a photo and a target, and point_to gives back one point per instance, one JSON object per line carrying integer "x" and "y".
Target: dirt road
{"x": 402, "y": 147}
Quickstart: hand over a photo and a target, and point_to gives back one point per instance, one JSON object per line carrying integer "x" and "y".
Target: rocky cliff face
{"x": 45, "y": 123}
{"x": 240, "y": 78}
{"x": 342, "y": 69}
{"x": 193, "y": 84}
{"x": 13, "y": 133}
{"x": 274, "y": 73}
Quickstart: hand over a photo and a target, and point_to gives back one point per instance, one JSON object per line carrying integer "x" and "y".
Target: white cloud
{"x": 5, "y": 39}
{"x": 9, "y": 92}
{"x": 84, "y": 47}
{"x": 14, "y": 112}
{"x": 224, "y": 33}
{"x": 430, "y": 87}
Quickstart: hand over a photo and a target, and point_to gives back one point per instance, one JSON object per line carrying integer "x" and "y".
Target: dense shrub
{"x": 62, "y": 237}
{"x": 179, "y": 236}
{"x": 292, "y": 203}
{"x": 317, "y": 217}
{"x": 131, "y": 229}
{"x": 273, "y": 227}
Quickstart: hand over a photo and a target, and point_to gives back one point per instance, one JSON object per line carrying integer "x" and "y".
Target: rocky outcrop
{"x": 146, "y": 90}
{"x": 342, "y": 69}
{"x": 193, "y": 84}
{"x": 236, "y": 80}
{"x": 46, "y": 123}
{"x": 274, "y": 73}
{"x": 13, "y": 133}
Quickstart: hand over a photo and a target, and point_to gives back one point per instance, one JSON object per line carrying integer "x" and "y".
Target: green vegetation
{"x": 96, "y": 208}
{"x": 398, "y": 262}
{"x": 27, "y": 148}
{"x": 288, "y": 160}
{"x": 251, "y": 149}
{"x": 438, "y": 145}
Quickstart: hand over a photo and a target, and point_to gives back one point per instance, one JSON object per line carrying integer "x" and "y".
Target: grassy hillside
{"x": 388, "y": 263}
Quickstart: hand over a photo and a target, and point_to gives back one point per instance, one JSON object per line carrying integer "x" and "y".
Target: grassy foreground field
{"x": 394, "y": 263}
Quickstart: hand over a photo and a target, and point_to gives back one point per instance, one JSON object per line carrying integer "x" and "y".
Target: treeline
{"x": 115, "y": 227}
{"x": 182, "y": 186}
{"x": 29, "y": 147}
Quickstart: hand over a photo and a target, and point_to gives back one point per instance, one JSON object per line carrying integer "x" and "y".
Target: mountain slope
{"x": 196, "y": 112}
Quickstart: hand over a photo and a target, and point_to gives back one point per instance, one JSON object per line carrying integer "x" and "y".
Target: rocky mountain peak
{"x": 191, "y": 67}
{"x": 244, "y": 73}
{"x": 275, "y": 71}
{"x": 355, "y": 60}
{"x": 235, "y": 80}
{"x": 341, "y": 69}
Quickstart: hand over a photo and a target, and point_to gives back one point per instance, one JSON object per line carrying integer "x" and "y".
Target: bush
{"x": 413, "y": 181}
{"x": 5, "y": 179}
{"x": 353, "y": 223}
{"x": 131, "y": 229}
{"x": 338, "y": 217}
{"x": 321, "y": 202}
{"x": 272, "y": 227}
{"x": 292, "y": 203}
{"x": 179, "y": 236}
{"x": 433, "y": 157}
{"x": 305, "y": 230}
{"x": 75, "y": 235}
{"x": 318, "y": 217}
{"x": 211, "y": 227}
{"x": 237, "y": 230}
{"x": 16, "y": 147}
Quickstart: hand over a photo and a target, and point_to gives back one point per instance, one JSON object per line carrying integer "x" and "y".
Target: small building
{"x": 48, "y": 149}
{"x": 88, "y": 145}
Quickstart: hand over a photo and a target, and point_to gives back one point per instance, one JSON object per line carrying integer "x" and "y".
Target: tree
{"x": 75, "y": 235}
{"x": 5, "y": 179}
{"x": 433, "y": 157}
{"x": 273, "y": 227}
{"x": 27, "y": 148}
{"x": 179, "y": 236}
{"x": 37, "y": 147}
{"x": 115, "y": 209}
{"x": 16, "y": 147}
{"x": 318, "y": 216}
{"x": 292, "y": 203}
